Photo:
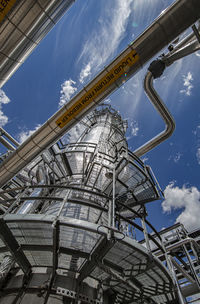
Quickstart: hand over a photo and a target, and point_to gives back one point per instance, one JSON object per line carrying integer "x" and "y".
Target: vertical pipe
{"x": 113, "y": 200}
{"x": 63, "y": 204}
{"x": 110, "y": 213}
{"x": 145, "y": 234}
{"x": 177, "y": 18}
{"x": 164, "y": 113}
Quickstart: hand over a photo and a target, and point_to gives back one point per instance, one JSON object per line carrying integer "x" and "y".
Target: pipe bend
{"x": 164, "y": 113}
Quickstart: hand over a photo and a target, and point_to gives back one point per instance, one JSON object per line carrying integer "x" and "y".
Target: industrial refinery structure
{"x": 73, "y": 224}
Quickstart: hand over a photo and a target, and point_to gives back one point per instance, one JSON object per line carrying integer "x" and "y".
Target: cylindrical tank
{"x": 90, "y": 158}
{"x": 70, "y": 228}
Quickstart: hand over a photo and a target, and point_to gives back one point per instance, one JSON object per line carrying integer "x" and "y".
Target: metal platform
{"x": 79, "y": 249}
{"x": 74, "y": 212}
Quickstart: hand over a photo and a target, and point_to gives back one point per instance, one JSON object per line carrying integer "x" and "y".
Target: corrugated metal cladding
{"x": 23, "y": 24}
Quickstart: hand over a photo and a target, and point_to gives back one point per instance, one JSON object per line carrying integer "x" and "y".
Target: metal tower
{"x": 73, "y": 225}
{"x": 68, "y": 232}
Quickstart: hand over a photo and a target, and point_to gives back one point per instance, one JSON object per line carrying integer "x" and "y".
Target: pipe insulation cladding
{"x": 23, "y": 24}
{"x": 170, "y": 24}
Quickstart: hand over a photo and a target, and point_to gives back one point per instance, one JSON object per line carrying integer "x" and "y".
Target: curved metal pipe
{"x": 172, "y": 22}
{"x": 163, "y": 111}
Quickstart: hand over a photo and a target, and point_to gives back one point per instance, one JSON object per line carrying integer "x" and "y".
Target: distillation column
{"x": 68, "y": 221}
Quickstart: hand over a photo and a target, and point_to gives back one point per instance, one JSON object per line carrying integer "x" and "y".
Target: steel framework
{"x": 69, "y": 220}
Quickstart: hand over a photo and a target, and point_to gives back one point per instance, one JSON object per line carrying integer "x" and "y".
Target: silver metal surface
{"x": 5, "y": 267}
{"x": 163, "y": 111}
{"x": 168, "y": 26}
{"x": 70, "y": 214}
{"x": 188, "y": 49}
{"x": 6, "y": 144}
{"x": 3, "y": 132}
{"x": 196, "y": 32}
{"x": 125, "y": 254}
{"x": 181, "y": 269}
{"x": 22, "y": 29}
{"x": 181, "y": 299}
{"x": 183, "y": 242}
{"x": 183, "y": 252}
{"x": 85, "y": 171}
{"x": 78, "y": 218}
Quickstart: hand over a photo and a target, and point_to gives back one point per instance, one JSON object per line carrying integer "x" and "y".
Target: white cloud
{"x": 106, "y": 38}
{"x": 187, "y": 199}
{"x": 134, "y": 128}
{"x": 3, "y": 100}
{"x": 85, "y": 72}
{"x": 187, "y": 83}
{"x": 3, "y": 119}
{"x": 176, "y": 157}
{"x": 25, "y": 134}
{"x": 67, "y": 90}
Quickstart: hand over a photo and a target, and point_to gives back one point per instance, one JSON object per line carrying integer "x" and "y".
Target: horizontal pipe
{"x": 6, "y": 144}
{"x": 171, "y": 23}
{"x": 189, "y": 49}
{"x": 163, "y": 111}
{"x": 5, "y": 133}
{"x": 188, "y": 39}
{"x": 183, "y": 242}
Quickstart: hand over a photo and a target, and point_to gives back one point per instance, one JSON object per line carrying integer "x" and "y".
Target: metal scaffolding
{"x": 72, "y": 215}
{"x": 183, "y": 250}
{"x": 73, "y": 225}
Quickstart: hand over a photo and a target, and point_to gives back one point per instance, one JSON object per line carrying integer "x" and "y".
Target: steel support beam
{"x": 99, "y": 252}
{"x": 183, "y": 272}
{"x": 14, "y": 248}
{"x": 168, "y": 26}
{"x": 56, "y": 233}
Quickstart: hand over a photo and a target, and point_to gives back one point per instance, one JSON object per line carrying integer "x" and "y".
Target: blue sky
{"x": 87, "y": 38}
